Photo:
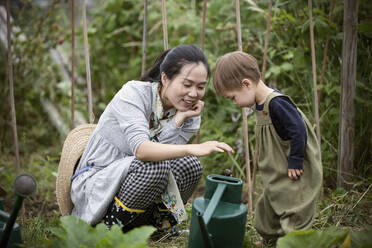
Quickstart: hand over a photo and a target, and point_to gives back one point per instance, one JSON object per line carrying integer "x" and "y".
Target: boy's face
{"x": 244, "y": 96}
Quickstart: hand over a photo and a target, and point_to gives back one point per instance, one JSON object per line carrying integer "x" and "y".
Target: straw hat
{"x": 73, "y": 148}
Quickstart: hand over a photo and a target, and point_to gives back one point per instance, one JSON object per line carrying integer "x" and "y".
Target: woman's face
{"x": 185, "y": 89}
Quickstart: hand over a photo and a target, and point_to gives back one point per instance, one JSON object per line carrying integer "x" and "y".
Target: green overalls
{"x": 285, "y": 204}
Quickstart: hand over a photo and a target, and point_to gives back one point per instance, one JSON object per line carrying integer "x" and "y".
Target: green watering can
{"x": 218, "y": 219}
{"x": 10, "y": 233}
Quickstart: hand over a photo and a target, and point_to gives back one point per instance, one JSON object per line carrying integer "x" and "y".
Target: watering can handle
{"x": 204, "y": 220}
{"x": 207, "y": 237}
{"x": 214, "y": 202}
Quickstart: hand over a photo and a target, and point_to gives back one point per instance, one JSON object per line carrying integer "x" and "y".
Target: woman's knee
{"x": 152, "y": 172}
{"x": 193, "y": 166}
{"x": 187, "y": 171}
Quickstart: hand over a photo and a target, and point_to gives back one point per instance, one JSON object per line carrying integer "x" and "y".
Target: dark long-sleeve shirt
{"x": 289, "y": 125}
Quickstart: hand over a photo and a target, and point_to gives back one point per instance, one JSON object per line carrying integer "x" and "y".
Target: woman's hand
{"x": 195, "y": 110}
{"x": 152, "y": 151}
{"x": 208, "y": 147}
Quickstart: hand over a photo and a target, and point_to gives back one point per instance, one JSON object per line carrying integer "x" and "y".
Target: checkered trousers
{"x": 146, "y": 181}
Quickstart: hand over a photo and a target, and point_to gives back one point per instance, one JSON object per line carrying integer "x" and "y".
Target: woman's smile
{"x": 189, "y": 103}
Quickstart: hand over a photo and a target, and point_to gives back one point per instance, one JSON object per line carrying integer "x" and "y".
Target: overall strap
{"x": 273, "y": 95}
{"x": 268, "y": 100}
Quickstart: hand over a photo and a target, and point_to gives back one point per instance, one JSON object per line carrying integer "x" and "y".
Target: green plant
{"x": 327, "y": 238}
{"x": 74, "y": 232}
{"x": 115, "y": 36}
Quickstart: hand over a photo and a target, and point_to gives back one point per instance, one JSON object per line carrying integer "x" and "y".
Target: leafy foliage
{"x": 327, "y": 238}
{"x": 115, "y": 40}
{"x": 115, "y": 37}
{"x": 75, "y": 232}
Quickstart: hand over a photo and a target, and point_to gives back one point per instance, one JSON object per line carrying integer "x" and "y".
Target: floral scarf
{"x": 159, "y": 118}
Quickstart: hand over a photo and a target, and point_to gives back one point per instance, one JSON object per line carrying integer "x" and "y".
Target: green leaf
{"x": 138, "y": 235}
{"x": 75, "y": 232}
{"x": 114, "y": 238}
{"x": 313, "y": 238}
{"x": 275, "y": 70}
{"x": 289, "y": 55}
{"x": 286, "y": 66}
{"x": 299, "y": 58}
{"x": 362, "y": 239}
{"x": 79, "y": 233}
{"x": 237, "y": 166}
{"x": 365, "y": 27}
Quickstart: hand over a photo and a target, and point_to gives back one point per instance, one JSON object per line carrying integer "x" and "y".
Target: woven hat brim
{"x": 73, "y": 148}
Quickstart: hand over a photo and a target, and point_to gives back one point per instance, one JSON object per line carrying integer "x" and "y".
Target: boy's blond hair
{"x": 232, "y": 68}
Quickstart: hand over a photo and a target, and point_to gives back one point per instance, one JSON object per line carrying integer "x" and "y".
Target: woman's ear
{"x": 164, "y": 79}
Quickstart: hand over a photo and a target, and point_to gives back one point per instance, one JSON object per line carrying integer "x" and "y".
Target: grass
{"x": 348, "y": 209}
{"x": 40, "y": 212}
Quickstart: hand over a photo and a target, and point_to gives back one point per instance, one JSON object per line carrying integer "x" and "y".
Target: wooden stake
{"x": 245, "y": 125}
{"x": 203, "y": 24}
{"x": 197, "y": 137}
{"x": 144, "y": 37}
{"x": 72, "y": 64}
{"x": 164, "y": 15}
{"x": 11, "y": 89}
{"x": 255, "y": 157}
{"x": 316, "y": 108}
{"x": 266, "y": 39}
{"x": 324, "y": 62}
{"x": 268, "y": 23}
{"x": 87, "y": 63}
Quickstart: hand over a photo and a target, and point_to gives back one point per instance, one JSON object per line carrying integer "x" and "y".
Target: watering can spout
{"x": 207, "y": 237}
{"x": 204, "y": 219}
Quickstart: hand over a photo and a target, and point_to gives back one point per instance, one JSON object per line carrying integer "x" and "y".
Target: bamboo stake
{"x": 203, "y": 24}
{"x": 324, "y": 62}
{"x": 314, "y": 72}
{"x": 87, "y": 63}
{"x": 11, "y": 89}
{"x": 164, "y": 15}
{"x": 72, "y": 64}
{"x": 245, "y": 125}
{"x": 197, "y": 138}
{"x": 238, "y": 25}
{"x": 144, "y": 37}
{"x": 268, "y": 23}
{"x": 255, "y": 157}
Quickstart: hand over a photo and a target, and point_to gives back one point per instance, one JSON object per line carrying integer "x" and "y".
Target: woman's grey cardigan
{"x": 123, "y": 126}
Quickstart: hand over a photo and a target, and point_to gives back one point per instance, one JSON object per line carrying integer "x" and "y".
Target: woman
{"x": 137, "y": 168}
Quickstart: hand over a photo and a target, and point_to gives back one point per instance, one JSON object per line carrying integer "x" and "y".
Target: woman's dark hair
{"x": 171, "y": 61}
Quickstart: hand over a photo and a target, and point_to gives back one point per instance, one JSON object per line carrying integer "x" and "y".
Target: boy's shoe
{"x": 264, "y": 243}
{"x": 259, "y": 243}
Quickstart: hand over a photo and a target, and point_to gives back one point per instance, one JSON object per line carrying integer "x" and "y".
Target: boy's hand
{"x": 295, "y": 174}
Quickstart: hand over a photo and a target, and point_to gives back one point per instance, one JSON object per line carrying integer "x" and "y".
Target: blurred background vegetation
{"x": 115, "y": 47}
